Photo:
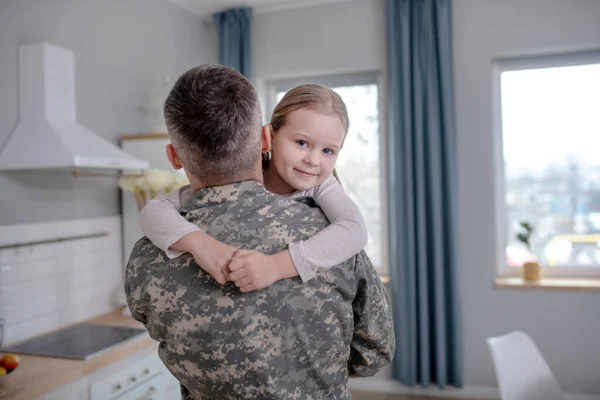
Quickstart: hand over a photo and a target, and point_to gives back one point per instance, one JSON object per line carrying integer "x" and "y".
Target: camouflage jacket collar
{"x": 221, "y": 194}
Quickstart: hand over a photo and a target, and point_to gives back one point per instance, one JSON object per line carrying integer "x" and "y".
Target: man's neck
{"x": 202, "y": 182}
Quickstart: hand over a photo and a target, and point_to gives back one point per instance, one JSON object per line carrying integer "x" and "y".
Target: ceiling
{"x": 204, "y": 8}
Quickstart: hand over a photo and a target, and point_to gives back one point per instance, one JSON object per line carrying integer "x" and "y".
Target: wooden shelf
{"x": 145, "y": 136}
{"x": 549, "y": 283}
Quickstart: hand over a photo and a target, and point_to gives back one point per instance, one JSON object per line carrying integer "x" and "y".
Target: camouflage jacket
{"x": 292, "y": 340}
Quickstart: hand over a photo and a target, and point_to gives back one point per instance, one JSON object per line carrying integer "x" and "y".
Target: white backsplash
{"x": 47, "y": 286}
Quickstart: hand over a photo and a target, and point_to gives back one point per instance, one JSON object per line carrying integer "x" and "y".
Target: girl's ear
{"x": 266, "y": 138}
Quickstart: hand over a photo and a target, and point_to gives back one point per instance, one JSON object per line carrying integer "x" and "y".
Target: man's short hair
{"x": 213, "y": 118}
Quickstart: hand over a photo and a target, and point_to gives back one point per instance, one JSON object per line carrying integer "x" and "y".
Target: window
{"x": 359, "y": 163}
{"x": 549, "y": 119}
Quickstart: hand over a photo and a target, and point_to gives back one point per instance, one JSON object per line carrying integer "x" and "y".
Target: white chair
{"x": 521, "y": 370}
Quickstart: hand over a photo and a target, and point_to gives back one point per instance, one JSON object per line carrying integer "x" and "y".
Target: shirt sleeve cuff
{"x": 175, "y": 237}
{"x": 305, "y": 270}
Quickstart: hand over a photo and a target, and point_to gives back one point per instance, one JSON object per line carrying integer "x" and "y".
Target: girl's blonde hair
{"x": 312, "y": 97}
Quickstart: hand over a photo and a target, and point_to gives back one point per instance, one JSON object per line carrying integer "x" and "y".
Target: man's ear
{"x": 266, "y": 138}
{"x": 173, "y": 157}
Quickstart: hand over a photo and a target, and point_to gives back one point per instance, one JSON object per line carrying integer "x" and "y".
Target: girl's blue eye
{"x": 328, "y": 151}
{"x": 301, "y": 143}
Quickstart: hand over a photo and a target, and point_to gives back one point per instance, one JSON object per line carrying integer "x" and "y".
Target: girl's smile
{"x": 305, "y": 150}
{"x": 305, "y": 173}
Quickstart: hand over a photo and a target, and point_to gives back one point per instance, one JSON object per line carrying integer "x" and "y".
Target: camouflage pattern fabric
{"x": 292, "y": 340}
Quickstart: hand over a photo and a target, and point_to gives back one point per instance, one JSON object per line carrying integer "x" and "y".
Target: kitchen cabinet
{"x": 78, "y": 390}
{"x": 150, "y": 390}
{"x": 136, "y": 378}
{"x": 141, "y": 377}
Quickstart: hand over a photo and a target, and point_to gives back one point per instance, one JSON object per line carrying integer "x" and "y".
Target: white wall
{"x": 351, "y": 36}
{"x": 565, "y": 325}
{"x": 323, "y": 39}
{"x": 122, "y": 49}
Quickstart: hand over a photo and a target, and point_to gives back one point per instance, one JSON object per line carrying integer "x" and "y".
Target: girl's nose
{"x": 311, "y": 158}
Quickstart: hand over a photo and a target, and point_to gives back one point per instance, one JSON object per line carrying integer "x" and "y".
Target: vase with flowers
{"x": 150, "y": 184}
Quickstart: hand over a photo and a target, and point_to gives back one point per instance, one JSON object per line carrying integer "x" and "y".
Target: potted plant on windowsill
{"x": 532, "y": 270}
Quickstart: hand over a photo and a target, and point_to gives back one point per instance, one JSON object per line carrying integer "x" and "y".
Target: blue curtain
{"x": 422, "y": 171}
{"x": 233, "y": 29}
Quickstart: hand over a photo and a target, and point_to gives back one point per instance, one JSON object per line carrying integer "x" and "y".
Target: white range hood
{"x": 47, "y": 135}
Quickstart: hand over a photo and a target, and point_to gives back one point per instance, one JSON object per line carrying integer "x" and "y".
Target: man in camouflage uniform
{"x": 291, "y": 340}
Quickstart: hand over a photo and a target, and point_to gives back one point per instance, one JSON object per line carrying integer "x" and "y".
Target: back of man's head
{"x": 213, "y": 118}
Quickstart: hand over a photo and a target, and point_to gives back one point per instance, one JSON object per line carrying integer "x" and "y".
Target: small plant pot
{"x": 532, "y": 271}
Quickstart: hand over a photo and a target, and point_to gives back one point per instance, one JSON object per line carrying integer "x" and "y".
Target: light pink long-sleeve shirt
{"x": 343, "y": 238}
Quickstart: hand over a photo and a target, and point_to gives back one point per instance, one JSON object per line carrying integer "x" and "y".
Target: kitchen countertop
{"x": 37, "y": 376}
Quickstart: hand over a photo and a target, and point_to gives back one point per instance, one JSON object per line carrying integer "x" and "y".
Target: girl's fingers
{"x": 240, "y": 253}
{"x": 236, "y": 253}
{"x": 237, "y": 263}
{"x": 247, "y": 288}
{"x": 243, "y": 282}
{"x": 219, "y": 277}
{"x": 237, "y": 275}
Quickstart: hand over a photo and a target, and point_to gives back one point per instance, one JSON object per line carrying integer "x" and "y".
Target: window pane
{"x": 551, "y": 145}
{"x": 358, "y": 164}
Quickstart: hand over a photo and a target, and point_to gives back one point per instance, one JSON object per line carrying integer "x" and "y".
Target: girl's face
{"x": 306, "y": 148}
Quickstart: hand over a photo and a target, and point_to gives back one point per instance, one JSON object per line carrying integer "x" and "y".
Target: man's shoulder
{"x": 304, "y": 208}
{"x": 144, "y": 247}
{"x": 145, "y": 253}
{"x": 297, "y": 217}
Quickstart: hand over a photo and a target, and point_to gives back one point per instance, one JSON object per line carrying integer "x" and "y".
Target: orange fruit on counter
{"x": 3, "y": 371}
{"x": 9, "y": 362}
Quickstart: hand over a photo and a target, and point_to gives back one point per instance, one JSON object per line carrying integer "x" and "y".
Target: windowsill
{"x": 508, "y": 282}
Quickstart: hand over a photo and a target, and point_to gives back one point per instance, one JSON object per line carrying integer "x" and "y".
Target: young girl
{"x": 308, "y": 128}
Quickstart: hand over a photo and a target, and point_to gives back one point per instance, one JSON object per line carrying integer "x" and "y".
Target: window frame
{"x": 583, "y": 57}
{"x": 268, "y": 89}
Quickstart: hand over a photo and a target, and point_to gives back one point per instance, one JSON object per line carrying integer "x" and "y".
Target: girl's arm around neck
{"x": 342, "y": 239}
{"x": 162, "y": 222}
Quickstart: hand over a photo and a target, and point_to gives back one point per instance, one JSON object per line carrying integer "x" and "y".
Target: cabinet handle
{"x": 146, "y": 371}
{"x": 117, "y": 387}
{"x": 132, "y": 379}
{"x": 148, "y": 396}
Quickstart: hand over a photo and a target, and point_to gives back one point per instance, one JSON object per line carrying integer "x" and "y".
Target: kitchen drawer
{"x": 78, "y": 390}
{"x": 154, "y": 389}
{"x": 127, "y": 377}
{"x": 172, "y": 387}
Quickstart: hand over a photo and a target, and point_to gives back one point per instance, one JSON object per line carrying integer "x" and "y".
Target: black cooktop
{"x": 79, "y": 342}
